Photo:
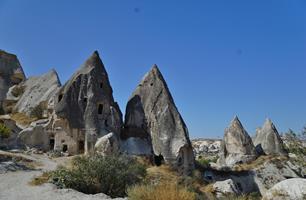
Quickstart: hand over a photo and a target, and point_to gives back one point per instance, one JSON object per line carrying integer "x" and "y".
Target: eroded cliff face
{"x": 152, "y": 119}
{"x": 86, "y": 103}
{"x": 11, "y": 73}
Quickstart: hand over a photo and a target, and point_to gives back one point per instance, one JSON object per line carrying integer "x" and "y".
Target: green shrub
{"x": 204, "y": 162}
{"x": 17, "y": 91}
{"x": 111, "y": 175}
{"x": 5, "y": 132}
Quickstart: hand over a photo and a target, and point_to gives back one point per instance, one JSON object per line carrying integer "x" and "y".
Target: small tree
{"x": 38, "y": 111}
{"x": 5, "y": 132}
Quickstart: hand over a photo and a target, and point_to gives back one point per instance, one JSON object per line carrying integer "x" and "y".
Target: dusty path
{"x": 15, "y": 185}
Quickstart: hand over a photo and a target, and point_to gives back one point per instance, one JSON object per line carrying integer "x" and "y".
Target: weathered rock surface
{"x": 268, "y": 141}
{"x": 151, "y": 115}
{"x": 291, "y": 189}
{"x": 35, "y": 136}
{"x": 86, "y": 103}
{"x": 223, "y": 188}
{"x": 137, "y": 146}
{"x": 107, "y": 145}
{"x": 37, "y": 91}
{"x": 11, "y": 73}
{"x": 237, "y": 145}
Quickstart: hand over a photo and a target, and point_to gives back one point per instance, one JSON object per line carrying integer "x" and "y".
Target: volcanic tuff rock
{"x": 37, "y": 90}
{"x": 291, "y": 189}
{"x": 152, "y": 116}
{"x": 237, "y": 145}
{"x": 86, "y": 102}
{"x": 107, "y": 145}
{"x": 11, "y": 73}
{"x": 223, "y": 188}
{"x": 268, "y": 141}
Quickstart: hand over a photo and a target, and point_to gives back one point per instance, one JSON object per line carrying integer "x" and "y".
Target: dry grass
{"x": 40, "y": 180}
{"x": 259, "y": 162}
{"x": 23, "y": 119}
{"x": 162, "y": 173}
{"x": 162, "y": 191}
{"x": 28, "y": 163}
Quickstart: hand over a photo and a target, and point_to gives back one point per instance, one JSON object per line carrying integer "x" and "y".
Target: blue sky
{"x": 220, "y": 58}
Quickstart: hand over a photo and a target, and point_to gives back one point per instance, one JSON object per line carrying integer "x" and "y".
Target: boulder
{"x": 107, "y": 144}
{"x": 237, "y": 146}
{"x": 36, "y": 136}
{"x": 291, "y": 189}
{"x": 268, "y": 141}
{"x": 11, "y": 73}
{"x": 37, "y": 92}
{"x": 152, "y": 116}
{"x": 223, "y": 188}
{"x": 86, "y": 104}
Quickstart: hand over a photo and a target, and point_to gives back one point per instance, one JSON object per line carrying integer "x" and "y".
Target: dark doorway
{"x": 100, "y": 109}
{"x": 158, "y": 160}
{"x": 65, "y": 148}
{"x": 101, "y": 85}
{"x": 51, "y": 143}
{"x": 81, "y": 147}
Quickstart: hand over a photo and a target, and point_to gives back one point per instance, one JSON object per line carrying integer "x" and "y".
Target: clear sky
{"x": 220, "y": 58}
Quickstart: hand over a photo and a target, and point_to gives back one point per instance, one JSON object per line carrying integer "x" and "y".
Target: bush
{"x": 204, "y": 162}
{"x": 162, "y": 191}
{"x": 5, "y": 132}
{"x": 17, "y": 91}
{"x": 111, "y": 175}
{"x": 38, "y": 111}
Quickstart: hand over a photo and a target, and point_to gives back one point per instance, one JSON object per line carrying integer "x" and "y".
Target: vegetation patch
{"x": 111, "y": 175}
{"x": 38, "y": 111}
{"x": 161, "y": 191}
{"x": 40, "y": 180}
{"x": 5, "y": 132}
{"x": 18, "y": 91}
{"x": 23, "y": 119}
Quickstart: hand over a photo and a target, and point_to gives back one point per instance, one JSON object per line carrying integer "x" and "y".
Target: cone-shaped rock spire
{"x": 152, "y": 118}
{"x": 237, "y": 145}
{"x": 268, "y": 141}
{"x": 86, "y": 102}
{"x": 11, "y": 73}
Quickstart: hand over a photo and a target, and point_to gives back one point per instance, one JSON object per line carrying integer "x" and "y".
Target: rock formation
{"x": 288, "y": 190}
{"x": 11, "y": 73}
{"x": 85, "y": 107}
{"x": 224, "y": 188}
{"x": 268, "y": 141}
{"x": 107, "y": 145}
{"x": 237, "y": 145}
{"x": 152, "y": 118}
{"x": 37, "y": 91}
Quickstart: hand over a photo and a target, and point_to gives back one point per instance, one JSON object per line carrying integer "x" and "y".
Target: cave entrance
{"x": 158, "y": 160}
{"x": 81, "y": 147}
{"x": 65, "y": 148}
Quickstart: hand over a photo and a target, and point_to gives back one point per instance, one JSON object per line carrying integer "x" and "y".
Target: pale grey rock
{"x": 151, "y": 114}
{"x": 36, "y": 135}
{"x": 291, "y": 189}
{"x": 38, "y": 90}
{"x": 86, "y": 104}
{"x": 224, "y": 188}
{"x": 137, "y": 146}
{"x": 268, "y": 141}
{"x": 107, "y": 145}
{"x": 11, "y": 73}
{"x": 237, "y": 146}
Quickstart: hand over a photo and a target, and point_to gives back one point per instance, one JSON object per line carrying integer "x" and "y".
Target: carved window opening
{"x": 51, "y": 143}
{"x": 100, "y": 109}
{"x": 81, "y": 147}
{"x": 101, "y": 85}
{"x": 85, "y": 100}
{"x": 60, "y": 97}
